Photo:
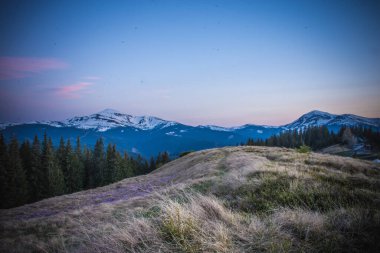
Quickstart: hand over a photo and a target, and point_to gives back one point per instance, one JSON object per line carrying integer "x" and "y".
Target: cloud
{"x": 73, "y": 90}
{"x": 22, "y": 67}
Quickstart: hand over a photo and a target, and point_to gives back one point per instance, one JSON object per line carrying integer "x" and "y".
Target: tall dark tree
{"x": 17, "y": 185}
{"x": 68, "y": 169}
{"x": 111, "y": 166}
{"x": 73, "y": 170}
{"x": 165, "y": 158}
{"x": 54, "y": 184}
{"x": 87, "y": 164}
{"x": 126, "y": 167}
{"x": 98, "y": 164}
{"x": 36, "y": 178}
{"x": 3, "y": 173}
{"x": 152, "y": 164}
{"x": 26, "y": 159}
{"x": 78, "y": 165}
{"x": 61, "y": 156}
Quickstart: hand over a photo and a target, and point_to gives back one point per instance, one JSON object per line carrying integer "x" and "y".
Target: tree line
{"x": 318, "y": 137}
{"x": 36, "y": 170}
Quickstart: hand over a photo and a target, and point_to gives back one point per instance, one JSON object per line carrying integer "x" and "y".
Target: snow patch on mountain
{"x": 218, "y": 128}
{"x": 109, "y": 118}
{"x": 319, "y": 118}
{"x": 173, "y": 134}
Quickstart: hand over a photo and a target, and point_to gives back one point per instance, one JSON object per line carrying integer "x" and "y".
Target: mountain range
{"x": 148, "y": 135}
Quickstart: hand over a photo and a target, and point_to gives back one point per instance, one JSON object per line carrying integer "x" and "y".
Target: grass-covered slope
{"x": 239, "y": 199}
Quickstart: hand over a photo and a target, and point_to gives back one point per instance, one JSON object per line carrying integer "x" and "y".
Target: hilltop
{"x": 234, "y": 199}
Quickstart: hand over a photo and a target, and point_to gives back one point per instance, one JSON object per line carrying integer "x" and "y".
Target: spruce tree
{"x": 111, "y": 167}
{"x": 165, "y": 157}
{"x": 120, "y": 170}
{"x": 78, "y": 166}
{"x": 152, "y": 164}
{"x": 3, "y": 173}
{"x": 17, "y": 185}
{"x": 61, "y": 155}
{"x": 26, "y": 159}
{"x": 126, "y": 165}
{"x": 98, "y": 164}
{"x": 88, "y": 169}
{"x": 37, "y": 177}
{"x": 55, "y": 184}
{"x": 73, "y": 172}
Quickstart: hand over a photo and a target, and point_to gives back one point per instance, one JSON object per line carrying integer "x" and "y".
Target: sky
{"x": 223, "y": 63}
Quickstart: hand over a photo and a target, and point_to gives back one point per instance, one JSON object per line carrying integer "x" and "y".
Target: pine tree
{"x": 120, "y": 171}
{"x": 159, "y": 160}
{"x": 17, "y": 185}
{"x": 111, "y": 167}
{"x": 73, "y": 172}
{"x": 26, "y": 159}
{"x": 3, "y": 173}
{"x": 126, "y": 167}
{"x": 98, "y": 164}
{"x": 79, "y": 166}
{"x": 68, "y": 167}
{"x": 87, "y": 163}
{"x": 36, "y": 177}
{"x": 55, "y": 175}
{"x": 61, "y": 156}
{"x": 54, "y": 184}
{"x": 165, "y": 158}
{"x": 152, "y": 164}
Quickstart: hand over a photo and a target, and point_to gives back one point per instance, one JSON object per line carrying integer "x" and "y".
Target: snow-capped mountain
{"x": 103, "y": 121}
{"x": 147, "y": 135}
{"x": 109, "y": 118}
{"x": 319, "y": 118}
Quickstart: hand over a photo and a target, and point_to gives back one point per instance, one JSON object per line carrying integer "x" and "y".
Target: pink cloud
{"x": 21, "y": 67}
{"x": 74, "y": 90}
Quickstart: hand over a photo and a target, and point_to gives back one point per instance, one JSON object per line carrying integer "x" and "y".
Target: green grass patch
{"x": 281, "y": 190}
{"x": 304, "y": 149}
{"x": 152, "y": 212}
{"x": 202, "y": 187}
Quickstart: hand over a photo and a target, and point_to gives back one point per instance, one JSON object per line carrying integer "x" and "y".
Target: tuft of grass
{"x": 180, "y": 228}
{"x": 151, "y": 212}
{"x": 304, "y": 149}
{"x": 203, "y": 186}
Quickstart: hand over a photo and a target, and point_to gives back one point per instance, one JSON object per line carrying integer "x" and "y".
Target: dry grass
{"x": 237, "y": 199}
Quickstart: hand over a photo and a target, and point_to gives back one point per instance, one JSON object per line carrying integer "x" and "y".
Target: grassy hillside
{"x": 238, "y": 199}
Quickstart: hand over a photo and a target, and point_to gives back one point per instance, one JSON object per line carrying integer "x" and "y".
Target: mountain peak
{"x": 319, "y": 118}
{"x": 111, "y": 118}
{"x": 317, "y": 112}
{"x": 108, "y": 111}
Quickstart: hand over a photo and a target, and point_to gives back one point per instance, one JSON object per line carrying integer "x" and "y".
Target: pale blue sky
{"x": 197, "y": 62}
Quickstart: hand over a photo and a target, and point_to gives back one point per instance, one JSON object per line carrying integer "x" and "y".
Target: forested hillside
{"x": 37, "y": 170}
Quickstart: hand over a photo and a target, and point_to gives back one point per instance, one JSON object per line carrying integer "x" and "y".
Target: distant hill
{"x": 148, "y": 135}
{"x": 236, "y": 199}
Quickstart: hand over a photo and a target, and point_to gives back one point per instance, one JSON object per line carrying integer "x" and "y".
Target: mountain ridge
{"x": 147, "y": 135}
{"x": 110, "y": 118}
